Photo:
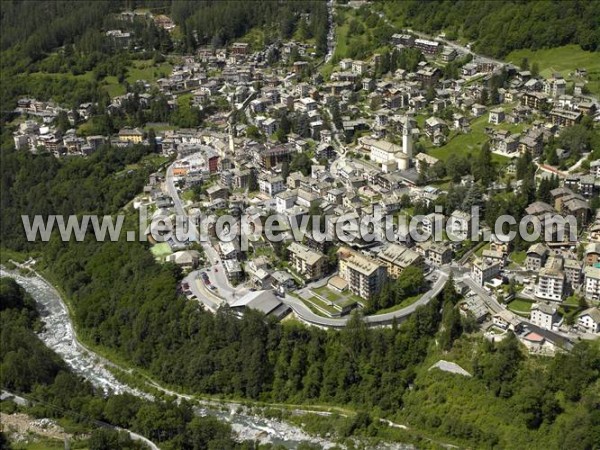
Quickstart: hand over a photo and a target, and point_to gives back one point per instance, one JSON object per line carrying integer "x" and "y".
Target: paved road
{"x": 215, "y": 270}
{"x": 305, "y": 314}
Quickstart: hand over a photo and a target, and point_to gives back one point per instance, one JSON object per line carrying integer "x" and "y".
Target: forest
{"x": 30, "y": 369}
{"x": 498, "y": 27}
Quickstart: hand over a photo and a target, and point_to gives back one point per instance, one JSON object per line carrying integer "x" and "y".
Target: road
{"x": 214, "y": 270}
{"x": 306, "y": 315}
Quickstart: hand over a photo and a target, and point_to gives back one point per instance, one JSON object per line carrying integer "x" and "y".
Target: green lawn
{"x": 160, "y": 251}
{"x": 520, "y": 306}
{"x": 403, "y": 304}
{"x": 518, "y": 257}
{"x": 146, "y": 70}
{"x": 564, "y": 60}
{"x": 469, "y": 143}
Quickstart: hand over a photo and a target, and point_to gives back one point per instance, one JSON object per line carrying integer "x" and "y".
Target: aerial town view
{"x": 300, "y": 224}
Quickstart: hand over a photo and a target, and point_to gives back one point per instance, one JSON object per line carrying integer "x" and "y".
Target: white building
{"x": 484, "y": 270}
{"x": 590, "y": 320}
{"x": 551, "y": 281}
{"x": 591, "y": 283}
{"x": 544, "y": 315}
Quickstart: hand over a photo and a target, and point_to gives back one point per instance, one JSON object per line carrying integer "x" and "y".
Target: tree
{"x": 451, "y": 326}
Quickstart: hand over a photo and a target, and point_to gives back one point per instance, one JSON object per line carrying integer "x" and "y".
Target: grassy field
{"x": 520, "y": 306}
{"x": 161, "y": 251}
{"x": 518, "y": 257}
{"x": 469, "y": 143}
{"x": 563, "y": 60}
{"x": 403, "y": 304}
{"x": 146, "y": 70}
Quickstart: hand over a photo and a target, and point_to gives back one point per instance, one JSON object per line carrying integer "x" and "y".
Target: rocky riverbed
{"x": 59, "y": 335}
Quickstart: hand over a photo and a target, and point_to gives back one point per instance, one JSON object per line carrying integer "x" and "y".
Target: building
{"x": 309, "y": 263}
{"x": 544, "y": 315}
{"x": 427, "y": 46}
{"x": 564, "y": 118}
{"x": 590, "y": 320}
{"x": 437, "y": 253}
{"x": 240, "y": 48}
{"x": 264, "y": 301}
{"x": 572, "y": 269}
{"x": 397, "y": 257}
{"x": 459, "y": 224}
{"x": 186, "y": 259}
{"x": 551, "y": 281}
{"x": 591, "y": 284}
{"x": 365, "y": 276}
{"x": 536, "y": 257}
{"x": 484, "y": 270}
{"x": 385, "y": 153}
{"x": 133, "y": 135}
{"x": 496, "y": 116}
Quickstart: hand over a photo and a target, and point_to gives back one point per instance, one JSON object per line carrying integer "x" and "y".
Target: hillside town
{"x": 387, "y": 134}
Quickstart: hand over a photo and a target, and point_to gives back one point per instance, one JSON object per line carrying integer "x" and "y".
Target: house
{"x": 544, "y": 315}
{"x": 564, "y": 118}
{"x": 573, "y": 272}
{"x": 240, "y": 48}
{"x": 449, "y": 54}
{"x": 484, "y": 269}
{"x": 132, "y": 135}
{"x": 427, "y": 46}
{"x": 186, "y": 259}
{"x": 433, "y": 223}
{"x": 309, "y": 263}
{"x": 496, "y": 116}
{"x": 364, "y": 275}
{"x": 536, "y": 257}
{"x": 233, "y": 270}
{"x": 282, "y": 281}
{"x": 589, "y": 320}
{"x": 397, "y": 257}
{"x": 271, "y": 185}
{"x": 477, "y": 110}
{"x": 591, "y": 284}
{"x": 359, "y": 67}
{"x": 591, "y": 255}
{"x": 217, "y": 191}
{"x": 506, "y": 320}
{"x": 437, "y": 253}
{"x": 459, "y": 224}
{"x": 433, "y": 126}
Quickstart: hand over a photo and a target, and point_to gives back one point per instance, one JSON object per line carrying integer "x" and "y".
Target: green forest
{"x": 498, "y": 27}
{"x": 30, "y": 369}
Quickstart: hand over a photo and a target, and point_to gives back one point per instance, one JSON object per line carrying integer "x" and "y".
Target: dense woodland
{"x": 29, "y": 368}
{"x": 498, "y": 27}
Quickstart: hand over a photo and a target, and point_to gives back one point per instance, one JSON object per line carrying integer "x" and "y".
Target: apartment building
{"x": 397, "y": 257}
{"x": 309, "y": 263}
{"x": 544, "y": 315}
{"x": 551, "y": 280}
{"x": 591, "y": 284}
{"x": 484, "y": 269}
{"x": 365, "y": 276}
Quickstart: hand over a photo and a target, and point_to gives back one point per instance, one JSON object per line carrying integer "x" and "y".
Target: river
{"x": 59, "y": 336}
